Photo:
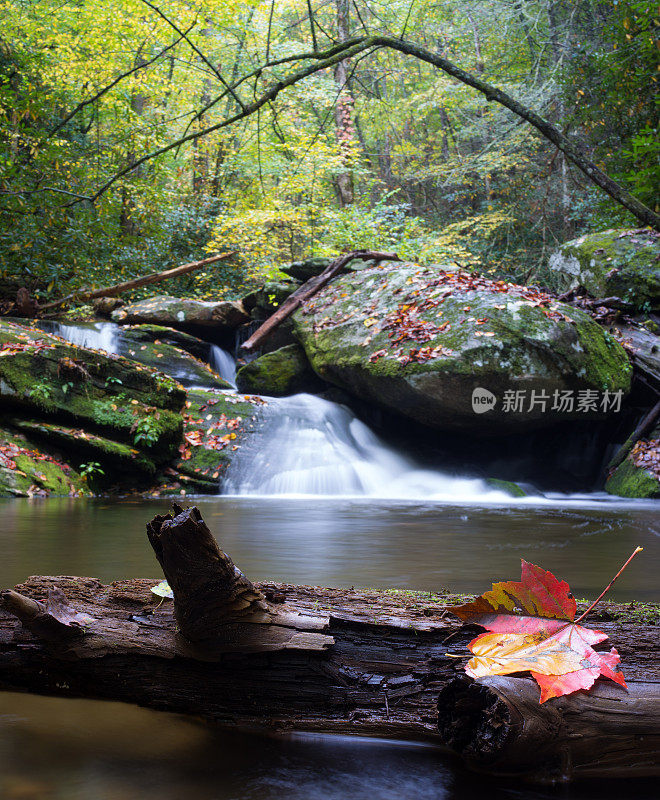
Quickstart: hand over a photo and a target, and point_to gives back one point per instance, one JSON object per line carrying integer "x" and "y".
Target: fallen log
{"x": 135, "y": 283}
{"x": 309, "y": 289}
{"x": 645, "y": 424}
{"x": 233, "y": 651}
{"x": 498, "y": 726}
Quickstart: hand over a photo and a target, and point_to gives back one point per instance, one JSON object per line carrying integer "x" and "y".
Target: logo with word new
{"x": 483, "y": 400}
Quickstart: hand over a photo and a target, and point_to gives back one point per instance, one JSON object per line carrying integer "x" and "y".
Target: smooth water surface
{"x": 341, "y": 541}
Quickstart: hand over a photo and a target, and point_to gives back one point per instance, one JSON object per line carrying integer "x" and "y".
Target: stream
{"x": 316, "y": 497}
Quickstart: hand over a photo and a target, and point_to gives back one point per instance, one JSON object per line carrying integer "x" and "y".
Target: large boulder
{"x": 456, "y": 351}
{"x": 176, "y": 312}
{"x": 281, "y": 372}
{"x": 619, "y": 263}
{"x": 45, "y": 378}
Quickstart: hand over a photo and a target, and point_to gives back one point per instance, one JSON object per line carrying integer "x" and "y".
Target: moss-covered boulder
{"x": 216, "y": 425}
{"x": 148, "y": 348}
{"x": 456, "y": 351}
{"x": 639, "y": 474}
{"x": 224, "y": 315}
{"x": 43, "y": 377}
{"x": 163, "y": 334}
{"x": 620, "y": 263}
{"x": 27, "y": 469}
{"x": 281, "y": 372}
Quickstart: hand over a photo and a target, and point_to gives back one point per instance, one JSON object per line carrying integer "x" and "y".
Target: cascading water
{"x": 223, "y": 363}
{"x": 94, "y": 335}
{"x": 311, "y": 446}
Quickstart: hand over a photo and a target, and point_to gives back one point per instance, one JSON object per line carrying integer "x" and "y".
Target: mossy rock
{"x": 425, "y": 342}
{"x": 629, "y": 480}
{"x": 509, "y": 487}
{"x": 41, "y": 376}
{"x": 26, "y": 469}
{"x": 620, "y": 263}
{"x": 163, "y": 334}
{"x": 216, "y": 425}
{"x": 182, "y": 312}
{"x": 110, "y": 454}
{"x": 173, "y": 361}
{"x": 281, "y": 372}
{"x": 268, "y": 298}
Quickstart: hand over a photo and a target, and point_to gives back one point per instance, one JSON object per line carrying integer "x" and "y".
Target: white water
{"x": 223, "y": 363}
{"x": 94, "y": 335}
{"x": 311, "y": 446}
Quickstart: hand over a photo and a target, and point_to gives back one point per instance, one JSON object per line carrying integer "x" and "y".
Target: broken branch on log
{"x": 498, "y": 726}
{"x": 309, "y": 289}
{"x": 145, "y": 280}
{"x": 326, "y": 660}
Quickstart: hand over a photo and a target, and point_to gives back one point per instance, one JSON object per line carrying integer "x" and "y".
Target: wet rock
{"x": 509, "y": 487}
{"x": 224, "y": 315}
{"x": 46, "y": 379}
{"x": 619, "y": 263}
{"x": 278, "y": 373}
{"x": 456, "y": 351}
{"x": 639, "y": 474}
{"x": 143, "y": 343}
{"x": 104, "y": 306}
{"x": 216, "y": 426}
{"x": 27, "y": 469}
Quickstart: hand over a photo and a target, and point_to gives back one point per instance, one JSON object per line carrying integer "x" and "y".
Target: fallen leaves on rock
{"x": 646, "y": 455}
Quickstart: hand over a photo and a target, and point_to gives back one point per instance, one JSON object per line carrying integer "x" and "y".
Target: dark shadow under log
{"x": 313, "y": 659}
{"x": 498, "y": 726}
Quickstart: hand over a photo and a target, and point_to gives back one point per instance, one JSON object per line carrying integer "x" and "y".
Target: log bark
{"x": 231, "y": 651}
{"x": 309, "y": 289}
{"x": 145, "y": 280}
{"x": 498, "y": 726}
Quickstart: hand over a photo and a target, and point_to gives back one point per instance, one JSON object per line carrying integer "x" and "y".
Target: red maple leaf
{"x": 532, "y": 627}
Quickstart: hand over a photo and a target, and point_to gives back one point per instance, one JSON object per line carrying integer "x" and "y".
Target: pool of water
{"x": 52, "y": 748}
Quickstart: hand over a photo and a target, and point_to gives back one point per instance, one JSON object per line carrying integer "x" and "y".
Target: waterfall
{"x": 223, "y": 363}
{"x": 94, "y": 335}
{"x": 311, "y": 446}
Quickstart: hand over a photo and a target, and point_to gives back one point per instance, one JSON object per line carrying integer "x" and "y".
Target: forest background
{"x": 377, "y": 151}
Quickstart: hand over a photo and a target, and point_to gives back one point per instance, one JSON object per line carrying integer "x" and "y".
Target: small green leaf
{"x": 163, "y": 590}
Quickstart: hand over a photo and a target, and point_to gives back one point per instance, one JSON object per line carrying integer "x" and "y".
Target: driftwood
{"x": 287, "y": 657}
{"x": 145, "y": 280}
{"x": 498, "y": 726}
{"x": 645, "y": 424}
{"x": 309, "y": 289}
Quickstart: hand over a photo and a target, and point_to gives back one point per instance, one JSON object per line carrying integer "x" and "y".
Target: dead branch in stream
{"x": 135, "y": 283}
{"x": 312, "y": 659}
{"x": 309, "y": 289}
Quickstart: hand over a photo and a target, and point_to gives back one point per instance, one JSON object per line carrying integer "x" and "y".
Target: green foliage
{"x": 91, "y": 468}
{"x": 438, "y": 173}
{"x": 146, "y": 430}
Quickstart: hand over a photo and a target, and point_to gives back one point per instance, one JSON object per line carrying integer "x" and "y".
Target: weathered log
{"x": 135, "y": 283}
{"x": 309, "y": 289}
{"x": 498, "y": 726}
{"x": 645, "y": 424}
{"x": 331, "y": 660}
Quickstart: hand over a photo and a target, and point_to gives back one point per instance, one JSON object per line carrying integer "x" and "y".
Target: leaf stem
{"x": 608, "y": 587}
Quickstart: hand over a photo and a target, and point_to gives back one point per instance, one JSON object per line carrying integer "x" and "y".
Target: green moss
{"x": 622, "y": 263}
{"x": 280, "y": 372}
{"x": 628, "y": 480}
{"x": 509, "y": 487}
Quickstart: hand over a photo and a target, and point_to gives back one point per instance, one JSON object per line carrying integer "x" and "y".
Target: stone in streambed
{"x": 619, "y": 263}
{"x": 278, "y": 373}
{"x": 639, "y": 474}
{"x": 425, "y": 342}
{"x": 223, "y": 315}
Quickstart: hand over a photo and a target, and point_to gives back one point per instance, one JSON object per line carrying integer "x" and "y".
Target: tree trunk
{"x": 145, "y": 280}
{"x": 498, "y": 726}
{"x": 293, "y": 657}
{"x": 343, "y": 111}
{"x": 309, "y": 289}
